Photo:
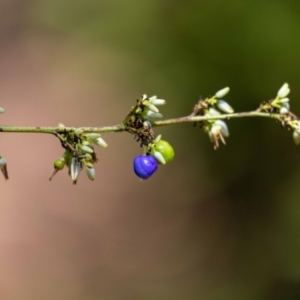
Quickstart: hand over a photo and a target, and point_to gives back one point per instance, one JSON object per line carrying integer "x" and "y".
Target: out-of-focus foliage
{"x": 210, "y": 225}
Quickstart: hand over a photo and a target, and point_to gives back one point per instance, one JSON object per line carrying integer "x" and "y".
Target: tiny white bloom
{"x": 2, "y": 110}
{"x": 283, "y": 91}
{"x": 224, "y": 128}
{"x": 221, "y": 93}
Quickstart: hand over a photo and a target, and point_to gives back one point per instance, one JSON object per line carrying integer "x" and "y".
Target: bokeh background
{"x": 213, "y": 225}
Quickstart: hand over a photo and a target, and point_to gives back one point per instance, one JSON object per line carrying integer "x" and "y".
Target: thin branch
{"x": 121, "y": 127}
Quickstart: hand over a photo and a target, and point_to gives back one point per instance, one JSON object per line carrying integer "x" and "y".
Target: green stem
{"x": 121, "y": 127}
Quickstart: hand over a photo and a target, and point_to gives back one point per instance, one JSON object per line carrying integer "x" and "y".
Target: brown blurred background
{"x": 213, "y": 225}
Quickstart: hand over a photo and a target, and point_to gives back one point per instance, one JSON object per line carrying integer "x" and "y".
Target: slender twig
{"x": 121, "y": 127}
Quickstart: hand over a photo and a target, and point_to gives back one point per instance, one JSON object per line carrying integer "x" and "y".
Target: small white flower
{"x": 225, "y": 107}
{"x": 2, "y": 110}
{"x": 224, "y": 128}
{"x": 221, "y": 93}
{"x": 283, "y": 91}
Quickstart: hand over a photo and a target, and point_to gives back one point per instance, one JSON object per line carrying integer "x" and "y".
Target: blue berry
{"x": 144, "y": 166}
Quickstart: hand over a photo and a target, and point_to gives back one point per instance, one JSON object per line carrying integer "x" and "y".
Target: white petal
{"x": 2, "y": 110}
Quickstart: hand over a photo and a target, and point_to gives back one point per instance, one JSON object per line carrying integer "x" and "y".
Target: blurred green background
{"x": 213, "y": 225}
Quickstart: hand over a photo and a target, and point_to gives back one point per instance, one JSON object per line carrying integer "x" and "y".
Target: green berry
{"x": 59, "y": 163}
{"x": 165, "y": 149}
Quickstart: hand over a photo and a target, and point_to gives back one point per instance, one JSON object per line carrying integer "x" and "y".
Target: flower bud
{"x": 225, "y": 107}
{"x": 100, "y": 142}
{"x": 223, "y": 92}
{"x": 93, "y": 135}
{"x": 156, "y": 101}
{"x": 147, "y": 124}
{"x": 3, "y": 167}
{"x": 159, "y": 157}
{"x": 86, "y": 149}
{"x": 213, "y": 112}
{"x": 153, "y": 108}
{"x": 283, "y": 110}
{"x": 78, "y": 131}
{"x": 75, "y": 168}
{"x": 283, "y": 91}
{"x": 151, "y": 114}
{"x": 296, "y": 137}
{"x": 91, "y": 173}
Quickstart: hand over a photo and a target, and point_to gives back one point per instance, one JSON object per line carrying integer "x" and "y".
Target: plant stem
{"x": 121, "y": 127}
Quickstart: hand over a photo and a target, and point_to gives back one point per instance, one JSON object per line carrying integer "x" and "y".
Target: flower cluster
{"x": 79, "y": 153}
{"x": 139, "y": 122}
{"x": 214, "y": 106}
{"x": 279, "y": 105}
{"x": 139, "y": 119}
